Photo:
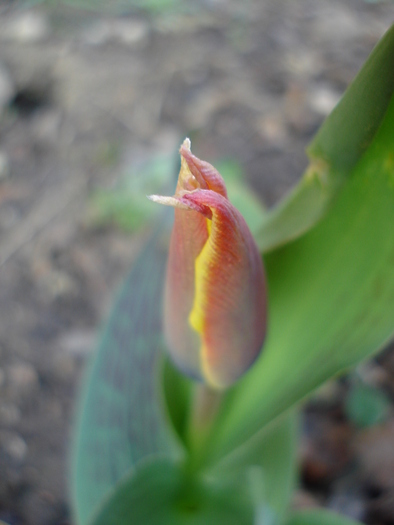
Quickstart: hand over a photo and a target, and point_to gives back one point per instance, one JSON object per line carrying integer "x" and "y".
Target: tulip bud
{"x": 215, "y": 295}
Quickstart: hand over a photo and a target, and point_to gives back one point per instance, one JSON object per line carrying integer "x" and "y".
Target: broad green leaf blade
{"x": 319, "y": 517}
{"x": 331, "y": 300}
{"x": 341, "y": 141}
{"x": 350, "y": 128}
{"x": 178, "y": 392}
{"x": 301, "y": 209}
{"x": 161, "y": 494}
{"x": 277, "y": 455}
{"x": 274, "y": 452}
{"x": 121, "y": 420}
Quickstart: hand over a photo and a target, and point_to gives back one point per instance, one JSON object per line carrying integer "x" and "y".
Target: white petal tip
{"x": 187, "y": 143}
{"x": 168, "y": 201}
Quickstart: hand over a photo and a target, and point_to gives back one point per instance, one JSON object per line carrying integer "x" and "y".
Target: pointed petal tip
{"x": 186, "y": 144}
{"x": 168, "y": 201}
{"x": 205, "y": 174}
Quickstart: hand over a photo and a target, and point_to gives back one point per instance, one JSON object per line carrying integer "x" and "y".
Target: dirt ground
{"x": 86, "y": 98}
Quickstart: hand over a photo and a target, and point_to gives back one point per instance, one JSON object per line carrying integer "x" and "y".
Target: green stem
{"x": 205, "y": 406}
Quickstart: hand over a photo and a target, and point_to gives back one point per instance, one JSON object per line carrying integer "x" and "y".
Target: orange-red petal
{"x": 229, "y": 309}
{"x": 215, "y": 297}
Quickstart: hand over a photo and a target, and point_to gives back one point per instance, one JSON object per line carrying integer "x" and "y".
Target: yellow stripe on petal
{"x": 196, "y": 317}
{"x": 215, "y": 298}
{"x": 229, "y": 309}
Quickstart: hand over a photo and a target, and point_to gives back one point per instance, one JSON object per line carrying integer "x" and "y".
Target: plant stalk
{"x": 205, "y": 406}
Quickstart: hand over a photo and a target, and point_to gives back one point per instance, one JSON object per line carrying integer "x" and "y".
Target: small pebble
{"x": 323, "y": 100}
{"x": 23, "y": 377}
{"x": 26, "y": 27}
{"x": 303, "y": 499}
{"x": 46, "y": 126}
{"x": 14, "y": 446}
{"x": 375, "y": 453}
{"x": 272, "y": 129}
{"x": 9, "y": 414}
{"x": 131, "y": 32}
{"x": 56, "y": 283}
{"x": 64, "y": 366}
{"x": 78, "y": 343}
{"x": 348, "y": 504}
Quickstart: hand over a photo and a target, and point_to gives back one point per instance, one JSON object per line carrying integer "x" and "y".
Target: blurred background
{"x": 96, "y": 97}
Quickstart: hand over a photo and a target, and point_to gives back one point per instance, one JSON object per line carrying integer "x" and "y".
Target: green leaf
{"x": 341, "y": 141}
{"x": 366, "y": 406}
{"x": 158, "y": 7}
{"x": 177, "y": 392}
{"x": 274, "y": 453}
{"x": 126, "y": 204}
{"x": 319, "y": 517}
{"x": 277, "y": 455}
{"x": 122, "y": 420}
{"x": 160, "y": 493}
{"x": 301, "y": 209}
{"x": 349, "y": 130}
{"x": 331, "y": 301}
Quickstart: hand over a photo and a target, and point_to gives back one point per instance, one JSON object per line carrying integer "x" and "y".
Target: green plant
{"x": 329, "y": 253}
{"x": 125, "y": 204}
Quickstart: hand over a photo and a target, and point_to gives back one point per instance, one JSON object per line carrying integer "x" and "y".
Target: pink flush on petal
{"x": 215, "y": 294}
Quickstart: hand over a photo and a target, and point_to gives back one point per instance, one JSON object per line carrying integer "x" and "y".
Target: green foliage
{"x": 338, "y": 146}
{"x": 115, "y": 6}
{"x": 331, "y": 304}
{"x": 319, "y": 517}
{"x": 161, "y": 492}
{"x": 366, "y": 406}
{"x": 121, "y": 420}
{"x": 331, "y": 299}
{"x": 270, "y": 460}
{"x": 126, "y": 205}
